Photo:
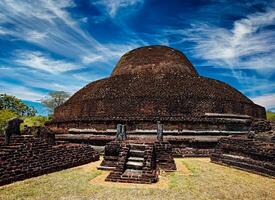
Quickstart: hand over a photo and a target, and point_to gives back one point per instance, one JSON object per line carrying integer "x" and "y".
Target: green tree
{"x": 15, "y": 105}
{"x": 5, "y": 115}
{"x": 55, "y": 99}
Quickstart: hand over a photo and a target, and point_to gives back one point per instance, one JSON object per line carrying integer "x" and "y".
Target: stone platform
{"x": 252, "y": 155}
{"x": 137, "y": 162}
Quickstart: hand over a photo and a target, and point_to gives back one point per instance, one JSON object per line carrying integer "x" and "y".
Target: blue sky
{"x": 48, "y": 45}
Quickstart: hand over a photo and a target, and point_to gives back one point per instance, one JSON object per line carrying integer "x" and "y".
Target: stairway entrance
{"x": 136, "y": 164}
{"x": 134, "y": 161}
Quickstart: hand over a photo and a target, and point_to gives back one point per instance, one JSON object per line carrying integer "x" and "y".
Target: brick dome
{"x": 154, "y": 59}
{"x": 152, "y": 83}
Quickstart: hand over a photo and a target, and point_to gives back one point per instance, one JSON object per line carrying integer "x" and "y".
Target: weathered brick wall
{"x": 27, "y": 157}
{"x": 111, "y": 154}
{"x": 145, "y": 96}
{"x": 192, "y": 152}
{"x": 253, "y": 155}
{"x": 164, "y": 156}
{"x": 261, "y": 126}
{"x": 170, "y": 123}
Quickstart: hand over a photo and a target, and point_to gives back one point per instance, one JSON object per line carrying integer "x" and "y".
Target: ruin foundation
{"x": 253, "y": 155}
{"x": 27, "y": 156}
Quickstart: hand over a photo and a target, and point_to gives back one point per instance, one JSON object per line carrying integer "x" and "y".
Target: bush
{"x": 35, "y": 121}
{"x": 5, "y": 115}
{"x": 270, "y": 115}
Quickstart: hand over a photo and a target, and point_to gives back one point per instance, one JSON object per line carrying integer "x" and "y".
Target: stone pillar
{"x": 121, "y": 132}
{"x": 12, "y": 128}
{"x": 159, "y": 131}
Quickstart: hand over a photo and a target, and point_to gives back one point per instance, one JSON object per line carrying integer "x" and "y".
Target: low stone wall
{"x": 27, "y": 157}
{"x": 179, "y": 152}
{"x": 111, "y": 155}
{"x": 249, "y": 154}
{"x": 164, "y": 157}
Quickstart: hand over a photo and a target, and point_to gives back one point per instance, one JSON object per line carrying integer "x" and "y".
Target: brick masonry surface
{"x": 27, "y": 157}
{"x": 249, "y": 154}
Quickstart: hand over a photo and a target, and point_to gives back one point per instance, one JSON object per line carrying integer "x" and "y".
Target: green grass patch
{"x": 207, "y": 181}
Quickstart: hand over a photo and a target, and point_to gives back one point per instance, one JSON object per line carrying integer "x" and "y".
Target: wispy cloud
{"x": 111, "y": 7}
{"x": 39, "y": 61}
{"x": 249, "y": 44}
{"x": 268, "y": 101}
{"x": 21, "y": 92}
{"x": 91, "y": 58}
{"x": 51, "y": 27}
{"x": 12, "y": 79}
{"x": 63, "y": 46}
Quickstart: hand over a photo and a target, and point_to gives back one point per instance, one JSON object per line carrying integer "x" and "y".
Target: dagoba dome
{"x": 154, "y": 60}
{"x": 155, "y": 82}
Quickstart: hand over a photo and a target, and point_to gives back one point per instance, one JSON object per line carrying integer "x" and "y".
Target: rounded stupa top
{"x": 154, "y": 59}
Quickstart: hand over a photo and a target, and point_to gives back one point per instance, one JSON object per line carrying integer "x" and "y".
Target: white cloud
{"x": 113, "y": 6}
{"x": 84, "y": 19}
{"x": 87, "y": 59}
{"x": 42, "y": 82}
{"x": 21, "y": 92}
{"x": 248, "y": 45}
{"x": 51, "y": 27}
{"x": 268, "y": 101}
{"x": 39, "y": 61}
{"x": 35, "y": 36}
{"x": 48, "y": 25}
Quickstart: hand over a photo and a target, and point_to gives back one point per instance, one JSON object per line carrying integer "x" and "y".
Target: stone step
{"x": 132, "y": 173}
{"x": 139, "y": 159}
{"x": 106, "y": 168}
{"x": 140, "y": 147}
{"x": 134, "y": 165}
{"x": 136, "y": 153}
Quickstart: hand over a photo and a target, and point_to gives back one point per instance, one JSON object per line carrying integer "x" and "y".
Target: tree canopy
{"x": 55, "y": 99}
{"x": 5, "y": 115}
{"x": 15, "y": 105}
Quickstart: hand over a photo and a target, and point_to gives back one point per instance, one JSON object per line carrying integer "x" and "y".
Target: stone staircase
{"x": 135, "y": 161}
{"x": 137, "y": 164}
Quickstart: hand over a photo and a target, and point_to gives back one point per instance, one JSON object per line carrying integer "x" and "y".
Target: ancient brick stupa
{"x": 151, "y": 84}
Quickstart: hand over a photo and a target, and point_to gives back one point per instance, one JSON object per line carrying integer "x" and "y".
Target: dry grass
{"x": 196, "y": 178}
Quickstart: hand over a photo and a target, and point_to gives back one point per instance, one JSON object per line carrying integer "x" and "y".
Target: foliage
{"x": 15, "y": 105}
{"x": 270, "y": 115}
{"x": 55, "y": 99}
{"x": 35, "y": 121}
{"x": 5, "y": 115}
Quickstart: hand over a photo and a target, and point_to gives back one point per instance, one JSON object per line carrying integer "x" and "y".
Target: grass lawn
{"x": 196, "y": 179}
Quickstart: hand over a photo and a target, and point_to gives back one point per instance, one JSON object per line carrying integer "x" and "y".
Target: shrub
{"x": 5, "y": 115}
{"x": 35, "y": 121}
{"x": 270, "y": 115}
